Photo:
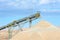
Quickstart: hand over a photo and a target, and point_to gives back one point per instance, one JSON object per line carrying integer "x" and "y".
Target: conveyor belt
{"x": 16, "y": 22}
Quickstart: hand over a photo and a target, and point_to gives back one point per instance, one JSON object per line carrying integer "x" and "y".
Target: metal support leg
{"x": 20, "y": 28}
{"x": 30, "y": 23}
{"x": 9, "y": 33}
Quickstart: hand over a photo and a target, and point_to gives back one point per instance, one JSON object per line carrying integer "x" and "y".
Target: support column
{"x": 9, "y": 33}
{"x": 20, "y": 28}
{"x": 30, "y": 23}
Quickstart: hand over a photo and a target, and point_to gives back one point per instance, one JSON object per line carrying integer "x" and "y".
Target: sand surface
{"x": 4, "y": 34}
{"x": 43, "y": 30}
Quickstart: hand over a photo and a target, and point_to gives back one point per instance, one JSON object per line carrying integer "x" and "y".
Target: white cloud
{"x": 54, "y": 10}
{"x": 48, "y": 1}
{"x": 44, "y": 10}
{"x": 51, "y": 10}
{"x": 26, "y": 4}
{"x": 44, "y": 1}
{"x": 2, "y": 0}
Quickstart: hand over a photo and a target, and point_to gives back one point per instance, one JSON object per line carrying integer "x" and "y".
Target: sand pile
{"x": 44, "y": 25}
{"x": 41, "y": 26}
{"x": 41, "y": 31}
{"x": 4, "y": 34}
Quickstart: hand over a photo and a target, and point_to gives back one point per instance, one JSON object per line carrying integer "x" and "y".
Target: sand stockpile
{"x": 4, "y": 34}
{"x": 41, "y": 26}
{"x": 41, "y": 31}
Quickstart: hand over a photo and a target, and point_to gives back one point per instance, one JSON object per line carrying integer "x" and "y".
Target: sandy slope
{"x": 4, "y": 34}
{"x": 41, "y": 31}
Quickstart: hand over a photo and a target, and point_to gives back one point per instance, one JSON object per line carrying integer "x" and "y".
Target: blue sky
{"x": 16, "y": 9}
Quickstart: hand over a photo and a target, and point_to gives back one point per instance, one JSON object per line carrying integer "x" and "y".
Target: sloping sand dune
{"x": 41, "y": 31}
